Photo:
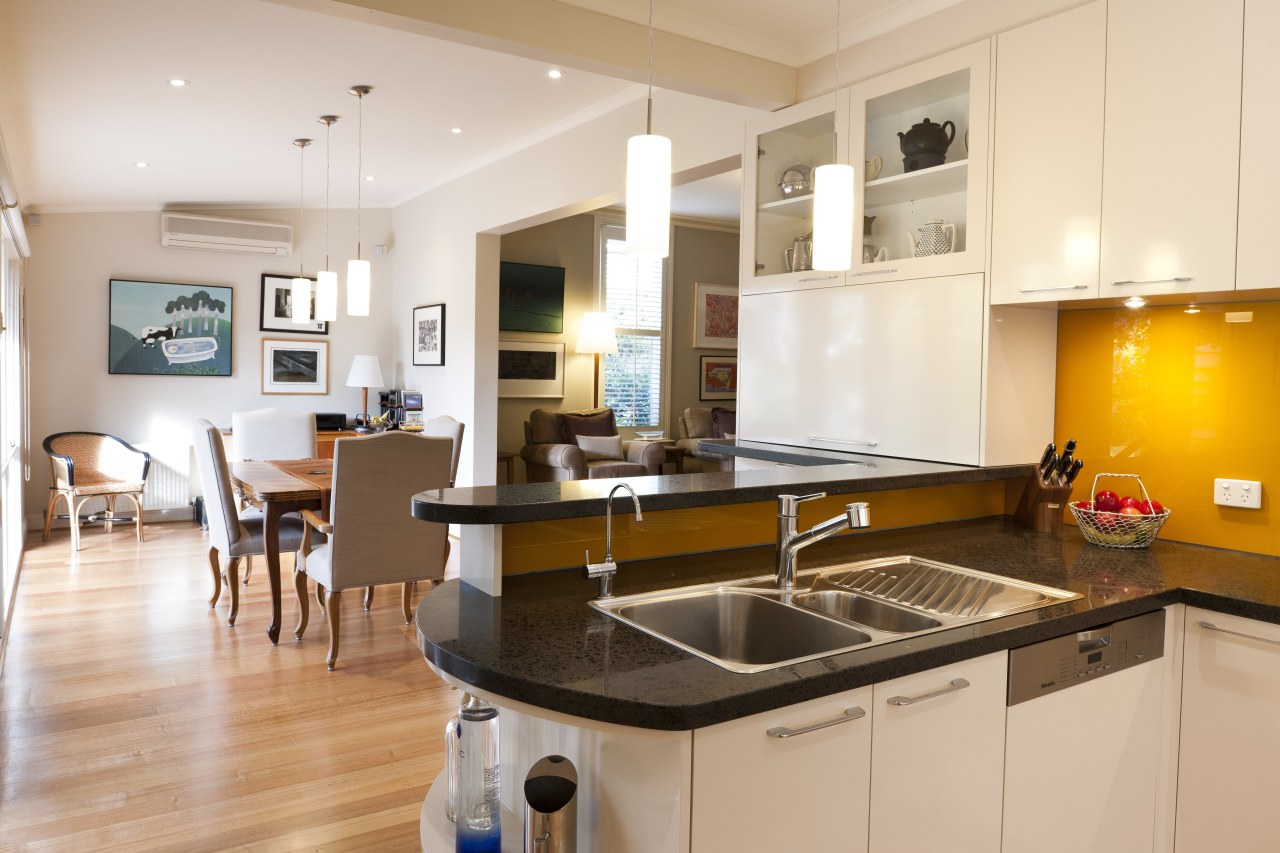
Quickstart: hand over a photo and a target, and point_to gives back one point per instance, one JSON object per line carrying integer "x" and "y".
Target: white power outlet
{"x": 1246, "y": 494}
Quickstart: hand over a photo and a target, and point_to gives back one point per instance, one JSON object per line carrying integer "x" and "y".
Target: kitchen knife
{"x": 1075, "y": 469}
{"x": 1044, "y": 459}
{"x": 1064, "y": 465}
{"x": 1046, "y": 475}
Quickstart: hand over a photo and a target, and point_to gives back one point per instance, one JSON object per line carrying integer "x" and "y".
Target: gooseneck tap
{"x": 608, "y": 568}
{"x": 856, "y": 516}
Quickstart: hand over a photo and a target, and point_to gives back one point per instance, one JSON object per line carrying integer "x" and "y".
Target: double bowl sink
{"x": 750, "y": 626}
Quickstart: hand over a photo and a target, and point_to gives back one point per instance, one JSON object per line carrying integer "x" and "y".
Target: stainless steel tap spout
{"x": 790, "y": 542}
{"x": 608, "y": 568}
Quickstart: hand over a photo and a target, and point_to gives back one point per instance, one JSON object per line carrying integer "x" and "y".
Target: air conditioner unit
{"x": 187, "y": 231}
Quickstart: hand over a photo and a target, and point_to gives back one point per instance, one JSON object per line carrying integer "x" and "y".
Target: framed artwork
{"x": 162, "y": 329}
{"x": 715, "y": 315}
{"x": 428, "y": 335}
{"x": 719, "y": 379}
{"x": 295, "y": 367}
{"x": 277, "y": 307}
{"x": 530, "y": 298}
{"x": 530, "y": 369}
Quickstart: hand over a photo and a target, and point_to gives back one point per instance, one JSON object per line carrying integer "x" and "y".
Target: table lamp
{"x": 365, "y": 372}
{"x": 595, "y": 335}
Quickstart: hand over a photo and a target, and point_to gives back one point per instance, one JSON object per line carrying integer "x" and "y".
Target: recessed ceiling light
{"x": 555, "y": 73}
{"x": 178, "y": 82}
{"x": 141, "y": 164}
{"x": 455, "y": 130}
{"x": 368, "y": 177}
{"x": 1135, "y": 302}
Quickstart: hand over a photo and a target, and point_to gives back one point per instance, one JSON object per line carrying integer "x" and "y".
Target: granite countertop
{"x": 584, "y": 498}
{"x": 541, "y": 644}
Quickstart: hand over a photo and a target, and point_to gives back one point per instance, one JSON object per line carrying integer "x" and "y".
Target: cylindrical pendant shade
{"x": 326, "y": 296}
{"x": 649, "y": 196}
{"x": 300, "y": 300}
{"x": 833, "y": 217}
{"x": 358, "y": 288}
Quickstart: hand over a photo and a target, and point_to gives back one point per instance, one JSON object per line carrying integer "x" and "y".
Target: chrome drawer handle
{"x": 872, "y": 272}
{"x": 956, "y": 684}
{"x": 854, "y": 713}
{"x": 1183, "y": 278}
{"x": 1209, "y": 626}
{"x": 1059, "y": 287}
{"x": 820, "y": 278}
{"x": 858, "y": 441}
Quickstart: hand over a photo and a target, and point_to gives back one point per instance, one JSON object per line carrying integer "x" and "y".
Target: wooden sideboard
{"x": 326, "y": 438}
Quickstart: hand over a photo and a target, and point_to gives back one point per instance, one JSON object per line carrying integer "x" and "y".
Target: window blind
{"x": 635, "y": 301}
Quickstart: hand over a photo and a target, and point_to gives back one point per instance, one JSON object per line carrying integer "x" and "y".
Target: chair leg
{"x": 320, "y": 596}
{"x": 406, "y": 602}
{"x": 368, "y": 597}
{"x": 74, "y": 511}
{"x": 137, "y": 503}
{"x": 111, "y": 512}
{"x": 217, "y": 576}
{"x": 54, "y": 494}
{"x": 248, "y": 569}
{"x": 304, "y": 602}
{"x": 233, "y": 578}
{"x": 334, "y": 598}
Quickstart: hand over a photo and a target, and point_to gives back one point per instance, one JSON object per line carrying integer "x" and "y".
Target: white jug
{"x": 935, "y": 237}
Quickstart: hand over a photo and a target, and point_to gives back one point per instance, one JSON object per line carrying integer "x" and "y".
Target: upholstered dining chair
{"x": 234, "y": 533}
{"x": 373, "y": 539}
{"x": 88, "y": 465}
{"x": 443, "y": 426}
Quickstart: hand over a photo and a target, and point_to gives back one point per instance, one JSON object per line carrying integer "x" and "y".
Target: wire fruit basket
{"x": 1117, "y": 530}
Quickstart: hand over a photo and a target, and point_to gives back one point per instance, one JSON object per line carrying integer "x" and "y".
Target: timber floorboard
{"x": 132, "y": 718}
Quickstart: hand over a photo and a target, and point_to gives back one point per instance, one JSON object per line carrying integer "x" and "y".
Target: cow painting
{"x": 152, "y": 335}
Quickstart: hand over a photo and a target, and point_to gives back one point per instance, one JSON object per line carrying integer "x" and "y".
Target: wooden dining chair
{"x": 233, "y": 533}
{"x": 373, "y": 538}
{"x": 88, "y": 465}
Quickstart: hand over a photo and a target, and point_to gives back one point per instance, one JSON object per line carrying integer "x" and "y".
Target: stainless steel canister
{"x": 551, "y": 806}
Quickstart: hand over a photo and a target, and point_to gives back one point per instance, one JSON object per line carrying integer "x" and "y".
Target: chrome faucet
{"x": 607, "y": 569}
{"x": 856, "y": 516}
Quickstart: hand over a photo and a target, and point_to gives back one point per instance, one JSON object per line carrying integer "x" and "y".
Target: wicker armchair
{"x": 88, "y": 465}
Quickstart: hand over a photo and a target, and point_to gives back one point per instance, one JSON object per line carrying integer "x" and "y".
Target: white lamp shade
{"x": 833, "y": 217}
{"x": 595, "y": 335}
{"x": 365, "y": 372}
{"x": 358, "y": 288}
{"x": 300, "y": 300}
{"x": 649, "y": 196}
{"x": 326, "y": 296}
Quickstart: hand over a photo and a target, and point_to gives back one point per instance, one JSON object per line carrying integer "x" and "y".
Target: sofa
{"x": 702, "y": 425}
{"x": 583, "y": 445}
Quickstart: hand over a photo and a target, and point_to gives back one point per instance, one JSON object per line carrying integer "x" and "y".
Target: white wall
{"x": 73, "y": 257}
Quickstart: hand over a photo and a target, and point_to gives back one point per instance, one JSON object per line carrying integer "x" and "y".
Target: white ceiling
{"x": 86, "y": 97}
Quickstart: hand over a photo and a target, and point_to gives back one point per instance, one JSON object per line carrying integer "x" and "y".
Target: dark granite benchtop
{"x": 584, "y": 498}
{"x": 539, "y": 643}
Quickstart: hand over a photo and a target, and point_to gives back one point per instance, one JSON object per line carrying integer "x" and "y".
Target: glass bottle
{"x": 479, "y": 815}
{"x": 451, "y": 762}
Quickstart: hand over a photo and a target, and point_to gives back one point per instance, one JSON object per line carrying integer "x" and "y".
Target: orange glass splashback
{"x": 1179, "y": 399}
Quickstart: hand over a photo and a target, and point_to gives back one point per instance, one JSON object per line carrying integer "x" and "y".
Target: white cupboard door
{"x": 765, "y": 784}
{"x": 1172, "y": 151}
{"x": 937, "y": 759}
{"x": 1259, "y": 167}
{"x": 1230, "y": 744}
{"x": 1047, "y": 179}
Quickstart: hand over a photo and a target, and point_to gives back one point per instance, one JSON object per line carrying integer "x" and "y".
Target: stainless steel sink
{"x": 749, "y": 626}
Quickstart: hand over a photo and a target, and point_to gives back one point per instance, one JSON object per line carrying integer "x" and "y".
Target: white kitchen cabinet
{"x": 937, "y": 759}
{"x": 1230, "y": 741}
{"x": 799, "y": 138}
{"x": 1046, "y": 203}
{"x": 754, "y": 790}
{"x": 1172, "y": 149}
{"x": 952, "y": 87}
{"x": 1259, "y": 167}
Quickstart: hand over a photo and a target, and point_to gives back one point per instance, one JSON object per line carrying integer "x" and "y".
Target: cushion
{"x": 595, "y": 422}
{"x": 607, "y": 469}
{"x": 600, "y": 446}
{"x": 724, "y": 422}
{"x": 545, "y": 427}
{"x": 698, "y": 421}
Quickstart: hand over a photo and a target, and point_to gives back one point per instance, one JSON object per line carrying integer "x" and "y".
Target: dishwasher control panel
{"x": 1052, "y": 665}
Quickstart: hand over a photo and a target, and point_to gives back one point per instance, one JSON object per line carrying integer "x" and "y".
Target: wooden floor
{"x": 133, "y": 719}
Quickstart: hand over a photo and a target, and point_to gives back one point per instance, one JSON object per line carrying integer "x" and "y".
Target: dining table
{"x": 280, "y": 487}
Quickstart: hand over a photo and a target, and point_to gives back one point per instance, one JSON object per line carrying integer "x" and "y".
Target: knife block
{"x": 1041, "y": 507}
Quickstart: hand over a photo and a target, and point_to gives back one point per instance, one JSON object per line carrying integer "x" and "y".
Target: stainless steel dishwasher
{"x": 1083, "y": 740}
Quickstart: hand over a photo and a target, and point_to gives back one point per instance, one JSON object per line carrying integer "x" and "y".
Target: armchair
{"x": 87, "y": 465}
{"x": 700, "y": 424}
{"x": 584, "y": 445}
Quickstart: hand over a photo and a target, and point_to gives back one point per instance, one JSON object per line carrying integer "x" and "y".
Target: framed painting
{"x": 277, "y": 307}
{"x": 428, "y": 335}
{"x": 719, "y": 379}
{"x": 715, "y": 315}
{"x": 162, "y": 329}
{"x": 295, "y": 367}
{"x": 530, "y": 298}
{"x": 530, "y": 369}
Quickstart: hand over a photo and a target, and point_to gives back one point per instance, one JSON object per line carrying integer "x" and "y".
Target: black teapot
{"x": 926, "y": 144}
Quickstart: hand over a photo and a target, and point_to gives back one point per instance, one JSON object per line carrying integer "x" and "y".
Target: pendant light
{"x": 300, "y": 294}
{"x": 833, "y": 199}
{"x": 358, "y": 273}
{"x": 326, "y": 279}
{"x": 649, "y": 182}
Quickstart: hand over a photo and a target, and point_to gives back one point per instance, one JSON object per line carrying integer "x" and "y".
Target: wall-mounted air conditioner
{"x": 188, "y": 231}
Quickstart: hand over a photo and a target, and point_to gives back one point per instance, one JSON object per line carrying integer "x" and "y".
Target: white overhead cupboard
{"x": 1259, "y": 166}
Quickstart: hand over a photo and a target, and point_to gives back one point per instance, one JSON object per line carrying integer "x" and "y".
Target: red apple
{"x": 1131, "y": 510}
{"x": 1082, "y": 505}
{"x": 1127, "y": 501}
{"x": 1151, "y": 507}
{"x": 1106, "y": 501}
